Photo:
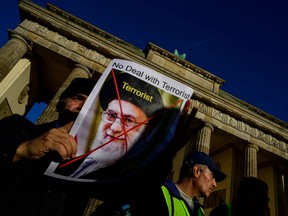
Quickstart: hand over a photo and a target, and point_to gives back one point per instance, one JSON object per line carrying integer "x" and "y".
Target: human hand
{"x": 55, "y": 140}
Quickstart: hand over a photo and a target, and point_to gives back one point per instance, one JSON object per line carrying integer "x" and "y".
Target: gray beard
{"x": 107, "y": 154}
{"x": 116, "y": 147}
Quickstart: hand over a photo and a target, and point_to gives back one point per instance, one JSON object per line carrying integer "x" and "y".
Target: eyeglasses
{"x": 111, "y": 117}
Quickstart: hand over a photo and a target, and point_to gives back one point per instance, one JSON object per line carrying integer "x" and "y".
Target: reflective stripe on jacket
{"x": 178, "y": 207}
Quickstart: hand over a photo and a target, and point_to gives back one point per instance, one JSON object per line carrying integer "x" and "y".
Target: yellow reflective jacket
{"x": 177, "y": 206}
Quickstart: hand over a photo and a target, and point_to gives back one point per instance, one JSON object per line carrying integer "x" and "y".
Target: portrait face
{"x": 205, "y": 181}
{"x": 117, "y": 131}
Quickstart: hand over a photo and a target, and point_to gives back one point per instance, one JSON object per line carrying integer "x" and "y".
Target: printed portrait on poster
{"x": 131, "y": 113}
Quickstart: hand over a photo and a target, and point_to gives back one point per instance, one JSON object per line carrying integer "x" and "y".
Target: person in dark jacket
{"x": 26, "y": 150}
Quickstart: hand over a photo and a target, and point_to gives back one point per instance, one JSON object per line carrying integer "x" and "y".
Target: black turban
{"x": 133, "y": 90}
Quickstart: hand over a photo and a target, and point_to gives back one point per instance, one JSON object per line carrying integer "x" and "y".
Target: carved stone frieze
{"x": 62, "y": 41}
{"x": 23, "y": 97}
{"x": 241, "y": 126}
{"x": 5, "y": 109}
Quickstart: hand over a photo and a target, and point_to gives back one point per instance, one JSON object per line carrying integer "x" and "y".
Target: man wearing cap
{"x": 26, "y": 150}
{"x": 198, "y": 177}
{"x": 131, "y": 109}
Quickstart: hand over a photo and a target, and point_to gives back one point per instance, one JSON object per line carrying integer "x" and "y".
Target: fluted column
{"x": 11, "y": 53}
{"x": 50, "y": 113}
{"x": 250, "y": 166}
{"x": 203, "y": 139}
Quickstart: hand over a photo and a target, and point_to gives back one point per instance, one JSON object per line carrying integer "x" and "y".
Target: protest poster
{"x": 128, "y": 119}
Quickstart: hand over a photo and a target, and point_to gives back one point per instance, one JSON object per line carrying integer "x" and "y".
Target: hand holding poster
{"x": 128, "y": 119}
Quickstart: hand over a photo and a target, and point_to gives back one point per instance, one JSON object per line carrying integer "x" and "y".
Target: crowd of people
{"x": 27, "y": 150}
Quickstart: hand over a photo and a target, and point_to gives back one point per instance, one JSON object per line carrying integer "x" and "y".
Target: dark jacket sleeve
{"x": 13, "y": 131}
{"x": 220, "y": 210}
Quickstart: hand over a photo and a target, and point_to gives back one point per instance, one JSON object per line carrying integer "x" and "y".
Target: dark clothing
{"x": 25, "y": 190}
{"x": 252, "y": 199}
{"x": 149, "y": 200}
{"x": 222, "y": 210}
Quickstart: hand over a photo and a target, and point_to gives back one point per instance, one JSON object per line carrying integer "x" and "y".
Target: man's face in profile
{"x": 119, "y": 132}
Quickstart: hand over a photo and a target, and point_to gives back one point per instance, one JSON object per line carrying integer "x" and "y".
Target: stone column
{"x": 50, "y": 113}
{"x": 250, "y": 165}
{"x": 203, "y": 139}
{"x": 11, "y": 53}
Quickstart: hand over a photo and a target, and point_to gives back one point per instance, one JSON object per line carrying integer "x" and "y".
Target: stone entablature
{"x": 204, "y": 91}
{"x": 183, "y": 68}
{"x": 62, "y": 45}
{"x": 67, "y": 24}
{"x": 93, "y": 29}
{"x": 243, "y": 130}
{"x": 254, "y": 109}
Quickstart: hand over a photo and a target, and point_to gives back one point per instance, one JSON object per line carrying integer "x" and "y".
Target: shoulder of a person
{"x": 14, "y": 117}
{"x": 15, "y": 121}
{"x": 221, "y": 210}
{"x": 171, "y": 186}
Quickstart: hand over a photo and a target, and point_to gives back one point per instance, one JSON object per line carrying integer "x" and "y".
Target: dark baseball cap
{"x": 205, "y": 159}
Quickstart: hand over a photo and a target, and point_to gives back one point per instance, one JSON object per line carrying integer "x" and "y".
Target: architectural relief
{"x": 5, "y": 109}
{"x": 245, "y": 127}
{"x": 64, "y": 42}
{"x": 23, "y": 97}
{"x": 241, "y": 126}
